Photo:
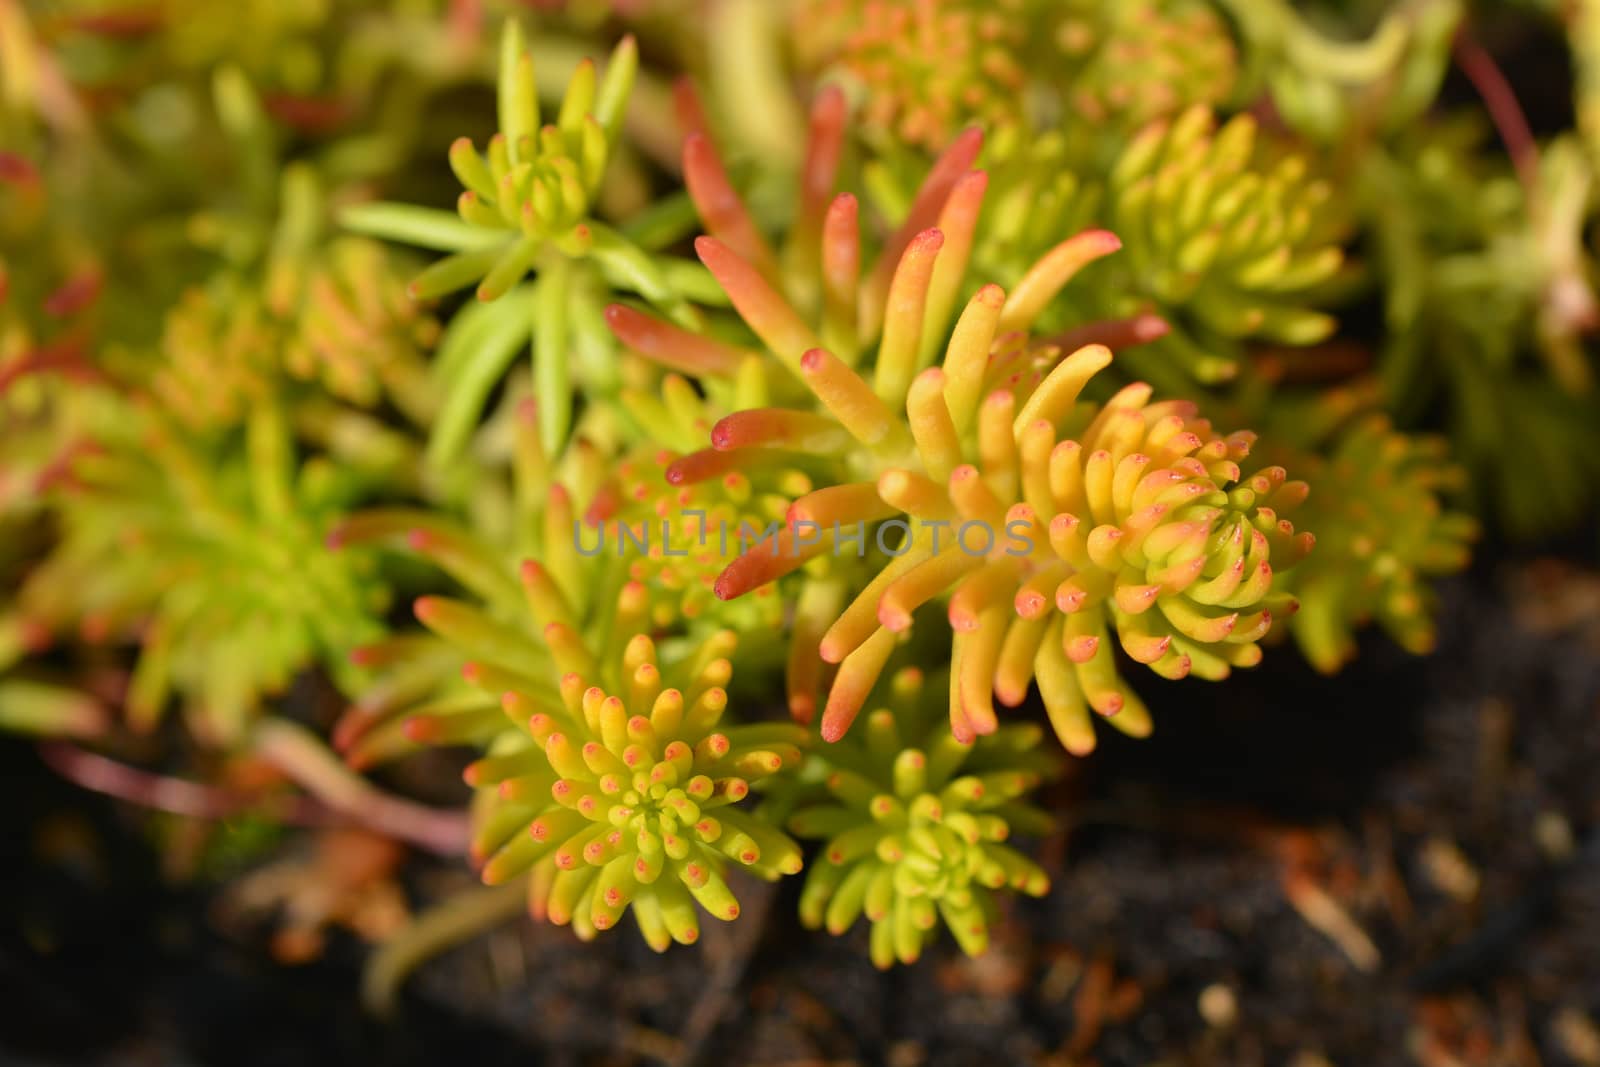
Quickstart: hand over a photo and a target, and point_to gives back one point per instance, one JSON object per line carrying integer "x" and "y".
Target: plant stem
{"x": 175, "y": 795}
{"x": 312, "y": 765}
{"x": 1504, "y": 110}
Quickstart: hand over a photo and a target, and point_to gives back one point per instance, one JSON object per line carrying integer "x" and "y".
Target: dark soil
{"x": 1443, "y": 810}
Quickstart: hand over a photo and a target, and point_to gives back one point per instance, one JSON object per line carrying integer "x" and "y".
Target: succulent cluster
{"x": 1391, "y": 533}
{"x": 1059, "y": 522}
{"x": 1219, "y": 235}
{"x": 895, "y": 334}
{"x": 209, "y": 556}
{"x": 915, "y": 824}
{"x": 926, "y": 68}
{"x": 1133, "y": 63}
{"x": 617, "y": 801}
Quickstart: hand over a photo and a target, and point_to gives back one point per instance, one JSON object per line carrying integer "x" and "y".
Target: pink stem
{"x": 337, "y": 796}
{"x": 164, "y": 793}
{"x": 1504, "y": 110}
{"x": 303, "y": 757}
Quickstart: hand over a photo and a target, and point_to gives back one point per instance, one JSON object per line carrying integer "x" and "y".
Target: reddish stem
{"x": 338, "y": 797}
{"x": 175, "y": 795}
{"x": 690, "y": 112}
{"x": 309, "y": 763}
{"x": 1504, "y": 109}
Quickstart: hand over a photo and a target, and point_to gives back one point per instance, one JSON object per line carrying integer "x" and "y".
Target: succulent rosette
{"x": 623, "y": 791}
{"x": 1130, "y": 63}
{"x": 530, "y": 206}
{"x": 1386, "y": 531}
{"x": 208, "y": 554}
{"x": 926, "y": 68}
{"x": 1090, "y": 516}
{"x": 608, "y": 777}
{"x": 915, "y": 825}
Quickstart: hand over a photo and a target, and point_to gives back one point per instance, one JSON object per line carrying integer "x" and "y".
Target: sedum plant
{"x": 198, "y": 472}
{"x": 1384, "y": 532}
{"x": 1485, "y": 303}
{"x": 624, "y": 794}
{"x": 1230, "y": 240}
{"x": 608, "y": 777}
{"x": 924, "y": 68}
{"x": 1129, "y": 64}
{"x": 1132, "y": 516}
{"x": 914, "y": 825}
{"x": 981, "y": 413}
{"x": 49, "y": 405}
{"x": 530, "y": 207}
{"x": 209, "y": 555}
{"x": 1220, "y": 238}
{"x": 1226, "y": 239}
{"x": 1328, "y": 87}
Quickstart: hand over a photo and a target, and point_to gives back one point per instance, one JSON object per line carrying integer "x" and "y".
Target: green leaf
{"x": 473, "y": 375}
{"x": 442, "y": 231}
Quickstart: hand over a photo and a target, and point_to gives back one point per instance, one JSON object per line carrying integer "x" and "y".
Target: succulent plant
{"x": 1323, "y": 85}
{"x": 925, "y": 68}
{"x": 189, "y": 506}
{"x": 1383, "y": 535}
{"x": 972, "y": 416}
{"x": 50, "y": 406}
{"x": 209, "y": 554}
{"x": 1129, "y": 64}
{"x": 529, "y": 206}
{"x": 601, "y": 514}
{"x": 1225, "y": 243}
{"x": 1091, "y": 517}
{"x": 355, "y": 333}
{"x": 677, "y": 523}
{"x": 47, "y": 407}
{"x": 1229, "y": 239}
{"x": 421, "y": 688}
{"x": 915, "y": 825}
{"x": 1481, "y": 266}
{"x": 619, "y": 790}
{"x": 333, "y": 339}
{"x": 1037, "y": 187}
{"x": 604, "y": 780}
{"x": 1132, "y": 517}
{"x": 536, "y": 189}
